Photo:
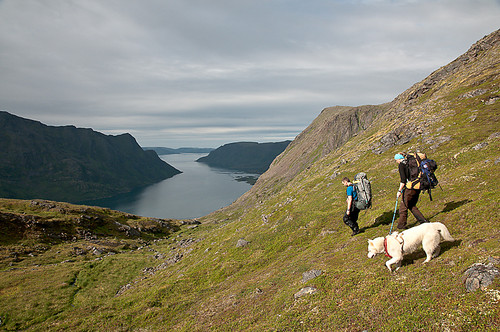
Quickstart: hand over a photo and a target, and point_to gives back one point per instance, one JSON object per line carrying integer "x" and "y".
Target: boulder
{"x": 305, "y": 291}
{"x": 479, "y": 276}
{"x": 306, "y": 276}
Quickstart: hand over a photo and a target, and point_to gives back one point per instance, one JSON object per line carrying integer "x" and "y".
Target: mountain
{"x": 251, "y": 157}
{"x": 280, "y": 258}
{"x": 71, "y": 164}
{"x": 162, "y": 150}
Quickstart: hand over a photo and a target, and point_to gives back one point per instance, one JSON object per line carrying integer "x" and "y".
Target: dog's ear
{"x": 370, "y": 241}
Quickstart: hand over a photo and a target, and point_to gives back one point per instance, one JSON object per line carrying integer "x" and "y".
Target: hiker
{"x": 352, "y": 212}
{"x": 410, "y": 196}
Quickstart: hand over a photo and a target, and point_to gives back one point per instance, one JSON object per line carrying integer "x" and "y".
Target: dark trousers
{"x": 409, "y": 202}
{"x": 351, "y": 220}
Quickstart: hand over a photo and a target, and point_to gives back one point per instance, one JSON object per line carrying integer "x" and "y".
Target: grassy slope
{"x": 219, "y": 286}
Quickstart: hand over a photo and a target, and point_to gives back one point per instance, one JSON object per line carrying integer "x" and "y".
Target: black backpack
{"x": 421, "y": 172}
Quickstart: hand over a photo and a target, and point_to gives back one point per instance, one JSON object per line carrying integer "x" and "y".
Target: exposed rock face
{"x": 71, "y": 164}
{"x": 472, "y": 54}
{"x": 330, "y": 130}
{"x": 408, "y": 110}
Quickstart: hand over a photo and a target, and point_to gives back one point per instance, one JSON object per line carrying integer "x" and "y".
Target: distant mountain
{"x": 71, "y": 164}
{"x": 161, "y": 150}
{"x": 249, "y": 157}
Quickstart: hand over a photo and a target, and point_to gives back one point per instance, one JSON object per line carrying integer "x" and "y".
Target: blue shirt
{"x": 351, "y": 192}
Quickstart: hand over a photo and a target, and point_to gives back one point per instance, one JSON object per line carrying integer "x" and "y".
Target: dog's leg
{"x": 393, "y": 260}
{"x": 430, "y": 244}
{"x": 428, "y": 252}
{"x": 388, "y": 264}
{"x": 398, "y": 265}
{"x": 437, "y": 251}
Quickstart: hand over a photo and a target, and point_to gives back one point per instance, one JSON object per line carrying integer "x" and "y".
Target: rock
{"x": 184, "y": 243}
{"x": 494, "y": 136}
{"x": 437, "y": 140}
{"x": 480, "y": 146}
{"x": 400, "y": 136}
{"x": 175, "y": 258}
{"x": 132, "y": 232}
{"x": 479, "y": 276}
{"x": 305, "y": 291}
{"x": 242, "y": 243}
{"x": 265, "y": 218}
{"x": 473, "y": 93}
{"x": 306, "y": 276}
{"x": 494, "y": 260}
{"x": 492, "y": 100}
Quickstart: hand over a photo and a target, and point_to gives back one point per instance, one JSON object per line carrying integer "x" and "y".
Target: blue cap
{"x": 398, "y": 156}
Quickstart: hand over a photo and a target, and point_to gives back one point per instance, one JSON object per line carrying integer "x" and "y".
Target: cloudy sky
{"x": 203, "y": 73}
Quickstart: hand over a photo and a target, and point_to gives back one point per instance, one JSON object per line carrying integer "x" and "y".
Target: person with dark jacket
{"x": 410, "y": 196}
{"x": 352, "y": 213}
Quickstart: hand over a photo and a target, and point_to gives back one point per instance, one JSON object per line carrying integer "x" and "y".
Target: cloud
{"x": 188, "y": 73}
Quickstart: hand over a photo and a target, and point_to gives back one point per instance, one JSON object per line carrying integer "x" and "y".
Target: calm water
{"x": 196, "y": 192}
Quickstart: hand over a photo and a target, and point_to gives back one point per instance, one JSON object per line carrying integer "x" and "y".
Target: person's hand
{"x": 398, "y": 194}
{"x": 347, "y": 212}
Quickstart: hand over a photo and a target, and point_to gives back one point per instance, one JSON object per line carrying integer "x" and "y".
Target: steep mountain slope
{"x": 71, "y": 164}
{"x": 281, "y": 259}
{"x": 330, "y": 130}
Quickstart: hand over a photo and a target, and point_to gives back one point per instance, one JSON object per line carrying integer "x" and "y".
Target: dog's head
{"x": 375, "y": 246}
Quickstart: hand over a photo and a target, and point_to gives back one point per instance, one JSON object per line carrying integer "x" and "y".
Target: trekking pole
{"x": 394, "y": 215}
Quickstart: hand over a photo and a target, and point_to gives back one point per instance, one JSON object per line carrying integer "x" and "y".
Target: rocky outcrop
{"x": 329, "y": 131}
{"x": 48, "y": 221}
{"x": 442, "y": 73}
{"x": 479, "y": 276}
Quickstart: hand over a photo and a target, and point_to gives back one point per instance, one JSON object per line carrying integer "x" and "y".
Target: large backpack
{"x": 364, "y": 190}
{"x": 421, "y": 172}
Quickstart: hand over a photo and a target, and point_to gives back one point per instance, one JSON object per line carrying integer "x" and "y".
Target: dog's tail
{"x": 445, "y": 234}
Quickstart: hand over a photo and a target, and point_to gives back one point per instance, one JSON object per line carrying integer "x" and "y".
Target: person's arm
{"x": 400, "y": 189}
{"x": 349, "y": 203}
{"x": 403, "y": 178}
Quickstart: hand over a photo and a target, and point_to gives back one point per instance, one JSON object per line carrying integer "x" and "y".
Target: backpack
{"x": 364, "y": 190}
{"x": 421, "y": 172}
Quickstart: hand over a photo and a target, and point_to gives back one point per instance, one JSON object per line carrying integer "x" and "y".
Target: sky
{"x": 203, "y": 73}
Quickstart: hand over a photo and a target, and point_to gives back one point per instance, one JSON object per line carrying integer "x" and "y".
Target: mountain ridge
{"x": 71, "y": 164}
{"x": 252, "y": 157}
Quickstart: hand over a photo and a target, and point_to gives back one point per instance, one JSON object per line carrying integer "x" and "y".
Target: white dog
{"x": 397, "y": 244}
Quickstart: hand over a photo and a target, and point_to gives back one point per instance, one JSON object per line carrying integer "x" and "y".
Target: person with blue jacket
{"x": 352, "y": 213}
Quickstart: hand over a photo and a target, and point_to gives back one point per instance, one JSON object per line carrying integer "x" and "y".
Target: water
{"x": 196, "y": 192}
